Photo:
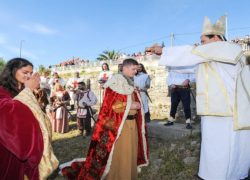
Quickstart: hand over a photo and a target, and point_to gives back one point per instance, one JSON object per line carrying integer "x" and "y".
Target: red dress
{"x": 21, "y": 140}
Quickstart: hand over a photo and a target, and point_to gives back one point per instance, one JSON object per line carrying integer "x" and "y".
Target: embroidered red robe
{"x": 21, "y": 140}
{"x": 103, "y": 140}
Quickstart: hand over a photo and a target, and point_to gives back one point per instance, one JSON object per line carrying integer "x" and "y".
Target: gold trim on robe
{"x": 49, "y": 161}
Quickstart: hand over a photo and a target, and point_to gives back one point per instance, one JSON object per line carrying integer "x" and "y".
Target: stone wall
{"x": 160, "y": 106}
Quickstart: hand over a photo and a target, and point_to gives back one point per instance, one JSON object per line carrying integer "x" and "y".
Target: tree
{"x": 108, "y": 55}
{"x": 42, "y": 68}
{"x": 2, "y": 64}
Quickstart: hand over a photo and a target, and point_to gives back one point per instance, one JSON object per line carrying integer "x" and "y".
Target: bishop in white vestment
{"x": 223, "y": 101}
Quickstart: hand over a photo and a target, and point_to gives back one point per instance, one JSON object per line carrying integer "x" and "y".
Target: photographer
{"x": 85, "y": 99}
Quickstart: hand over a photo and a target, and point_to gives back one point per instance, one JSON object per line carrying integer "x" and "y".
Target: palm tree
{"x": 108, "y": 55}
{"x": 42, "y": 68}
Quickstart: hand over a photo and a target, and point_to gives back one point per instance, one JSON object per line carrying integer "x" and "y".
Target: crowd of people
{"x": 32, "y": 106}
{"x": 73, "y": 61}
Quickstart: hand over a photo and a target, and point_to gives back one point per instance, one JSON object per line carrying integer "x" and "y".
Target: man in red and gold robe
{"x": 119, "y": 142}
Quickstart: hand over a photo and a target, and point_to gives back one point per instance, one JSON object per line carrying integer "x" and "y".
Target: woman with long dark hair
{"x": 104, "y": 75}
{"x": 24, "y": 129}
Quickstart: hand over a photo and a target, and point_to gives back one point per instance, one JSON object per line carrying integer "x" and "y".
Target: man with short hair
{"x": 119, "y": 142}
{"x": 85, "y": 98}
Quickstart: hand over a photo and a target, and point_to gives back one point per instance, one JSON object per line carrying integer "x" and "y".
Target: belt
{"x": 131, "y": 117}
{"x": 181, "y": 87}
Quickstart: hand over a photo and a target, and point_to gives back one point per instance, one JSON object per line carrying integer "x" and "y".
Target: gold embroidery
{"x": 49, "y": 161}
{"x": 206, "y": 87}
{"x": 209, "y": 58}
{"x": 221, "y": 85}
{"x": 118, "y": 106}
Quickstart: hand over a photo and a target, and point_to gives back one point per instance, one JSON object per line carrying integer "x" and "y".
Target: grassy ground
{"x": 166, "y": 157}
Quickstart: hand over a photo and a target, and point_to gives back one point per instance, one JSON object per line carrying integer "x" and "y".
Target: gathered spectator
{"x": 59, "y": 112}
{"x": 44, "y": 83}
{"x": 55, "y": 79}
{"x": 142, "y": 83}
{"x": 72, "y": 86}
{"x": 104, "y": 75}
{"x": 85, "y": 99}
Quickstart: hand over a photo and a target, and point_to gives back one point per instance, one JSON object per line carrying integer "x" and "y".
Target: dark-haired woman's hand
{"x": 33, "y": 82}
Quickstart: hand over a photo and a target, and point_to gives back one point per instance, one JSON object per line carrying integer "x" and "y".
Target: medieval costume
{"x": 25, "y": 138}
{"x": 72, "y": 85}
{"x": 142, "y": 82}
{"x": 85, "y": 99}
{"x": 118, "y": 131}
{"x": 104, "y": 75}
{"x": 223, "y": 102}
{"x": 59, "y": 112}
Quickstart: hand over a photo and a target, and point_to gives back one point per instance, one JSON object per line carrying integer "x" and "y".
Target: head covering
{"x": 80, "y": 80}
{"x": 217, "y": 29}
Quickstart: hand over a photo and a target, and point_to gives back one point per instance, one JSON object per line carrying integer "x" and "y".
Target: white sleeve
{"x": 179, "y": 56}
{"x": 51, "y": 80}
{"x": 68, "y": 83}
{"x": 100, "y": 76}
{"x": 89, "y": 98}
{"x": 92, "y": 99}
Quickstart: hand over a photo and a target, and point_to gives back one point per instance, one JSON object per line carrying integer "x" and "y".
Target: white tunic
{"x": 142, "y": 81}
{"x": 72, "y": 84}
{"x": 225, "y": 152}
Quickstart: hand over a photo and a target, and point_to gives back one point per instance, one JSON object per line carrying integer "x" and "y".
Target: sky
{"x": 47, "y": 32}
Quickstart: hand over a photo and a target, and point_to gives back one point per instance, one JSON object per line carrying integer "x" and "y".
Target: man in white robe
{"x": 142, "y": 83}
{"x": 72, "y": 86}
{"x": 222, "y": 101}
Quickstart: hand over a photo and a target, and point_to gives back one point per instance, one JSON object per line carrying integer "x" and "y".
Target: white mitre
{"x": 217, "y": 29}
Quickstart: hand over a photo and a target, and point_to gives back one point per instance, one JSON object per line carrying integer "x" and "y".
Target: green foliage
{"x": 42, "y": 68}
{"x": 108, "y": 55}
{"x": 2, "y": 64}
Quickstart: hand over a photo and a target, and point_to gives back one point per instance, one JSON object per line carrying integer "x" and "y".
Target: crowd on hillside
{"x": 73, "y": 61}
{"x": 154, "y": 49}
